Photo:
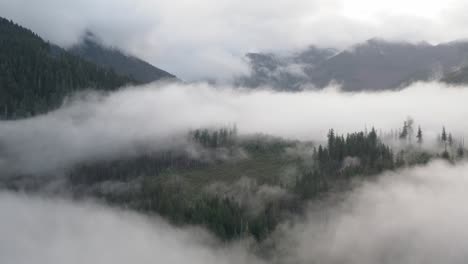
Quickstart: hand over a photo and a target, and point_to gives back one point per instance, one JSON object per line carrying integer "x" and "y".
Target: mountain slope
{"x": 283, "y": 72}
{"x": 373, "y": 65}
{"x": 91, "y": 50}
{"x": 380, "y": 65}
{"x": 35, "y": 76}
{"x": 459, "y": 76}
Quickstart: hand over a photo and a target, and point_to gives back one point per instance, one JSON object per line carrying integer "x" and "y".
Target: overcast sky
{"x": 196, "y": 39}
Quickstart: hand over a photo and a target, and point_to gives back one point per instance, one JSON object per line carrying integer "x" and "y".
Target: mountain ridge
{"x": 93, "y": 50}
{"x": 376, "y": 64}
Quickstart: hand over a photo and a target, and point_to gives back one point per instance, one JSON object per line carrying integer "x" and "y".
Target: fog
{"x": 45, "y": 231}
{"x": 158, "y": 116}
{"x": 411, "y": 216}
{"x": 414, "y": 215}
{"x": 156, "y": 191}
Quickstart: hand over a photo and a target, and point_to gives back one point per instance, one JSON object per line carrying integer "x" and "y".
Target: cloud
{"x": 46, "y": 231}
{"x": 198, "y": 39}
{"x": 413, "y": 215}
{"x": 410, "y": 216}
{"x": 157, "y": 117}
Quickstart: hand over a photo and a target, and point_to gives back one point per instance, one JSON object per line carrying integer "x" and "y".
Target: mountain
{"x": 91, "y": 49}
{"x": 373, "y": 65}
{"x": 458, "y": 76}
{"x": 287, "y": 72}
{"x": 379, "y": 65}
{"x": 36, "y": 76}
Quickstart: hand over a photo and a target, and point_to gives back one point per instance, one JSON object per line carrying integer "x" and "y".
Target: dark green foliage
{"x": 419, "y": 136}
{"x": 169, "y": 185}
{"x": 400, "y": 159}
{"x": 450, "y": 140}
{"x": 404, "y": 131}
{"x": 366, "y": 154}
{"x": 443, "y": 135}
{"x": 223, "y": 137}
{"x": 417, "y": 158}
{"x": 223, "y": 216}
{"x": 446, "y": 155}
{"x": 373, "y": 155}
{"x": 35, "y": 76}
{"x": 176, "y": 185}
{"x": 127, "y": 169}
{"x": 460, "y": 151}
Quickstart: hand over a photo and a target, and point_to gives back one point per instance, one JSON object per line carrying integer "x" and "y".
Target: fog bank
{"x": 410, "y": 216}
{"x": 414, "y": 215}
{"x": 157, "y": 116}
{"x": 45, "y": 231}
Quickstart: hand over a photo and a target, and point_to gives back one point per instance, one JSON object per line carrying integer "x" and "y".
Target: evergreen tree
{"x": 409, "y": 129}
{"x": 460, "y": 151}
{"x": 36, "y": 76}
{"x": 404, "y": 131}
{"x": 446, "y": 155}
{"x": 331, "y": 142}
{"x": 443, "y": 136}
{"x": 419, "y": 136}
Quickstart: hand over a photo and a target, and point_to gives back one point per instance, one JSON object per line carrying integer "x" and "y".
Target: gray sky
{"x": 207, "y": 38}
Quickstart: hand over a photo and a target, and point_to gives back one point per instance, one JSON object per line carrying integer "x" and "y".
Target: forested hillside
{"x": 237, "y": 186}
{"x": 35, "y": 76}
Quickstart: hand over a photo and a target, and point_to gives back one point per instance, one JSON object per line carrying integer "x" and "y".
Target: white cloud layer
{"x": 206, "y": 38}
{"x": 157, "y": 116}
{"x": 45, "y": 231}
{"x": 410, "y": 216}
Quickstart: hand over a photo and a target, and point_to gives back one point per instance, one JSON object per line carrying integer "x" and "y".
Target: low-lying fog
{"x": 410, "y": 216}
{"x": 93, "y": 126}
{"x": 414, "y": 215}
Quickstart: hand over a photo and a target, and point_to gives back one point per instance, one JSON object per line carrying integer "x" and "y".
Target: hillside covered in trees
{"x": 239, "y": 186}
{"x": 35, "y": 75}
